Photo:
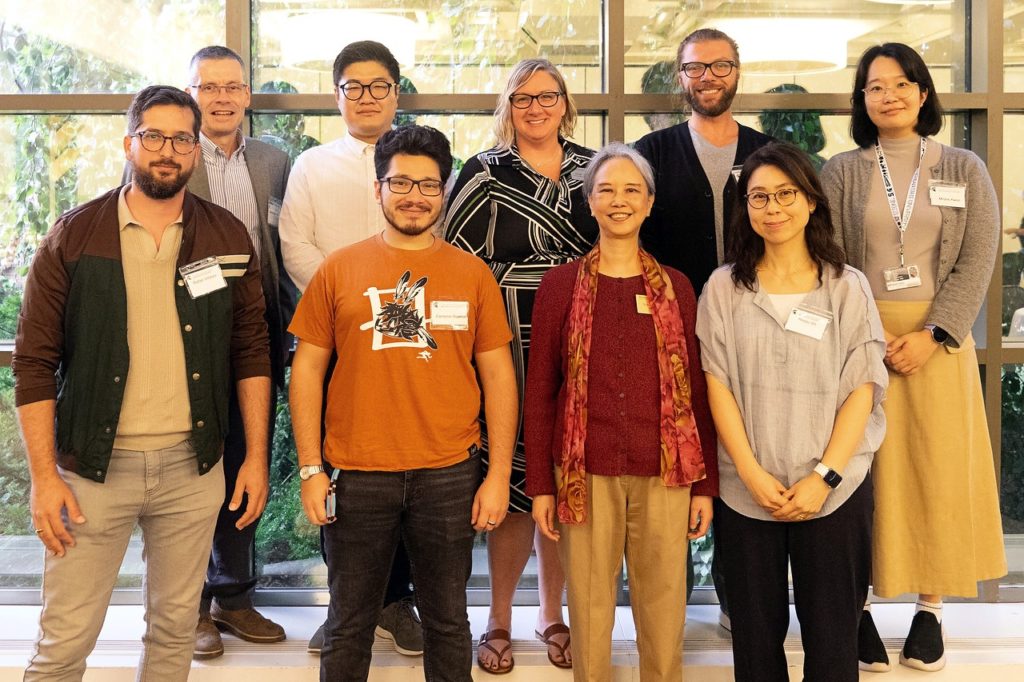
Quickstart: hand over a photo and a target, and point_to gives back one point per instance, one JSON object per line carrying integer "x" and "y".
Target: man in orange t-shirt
{"x": 419, "y": 329}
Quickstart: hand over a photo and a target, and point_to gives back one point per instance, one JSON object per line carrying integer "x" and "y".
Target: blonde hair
{"x": 504, "y": 131}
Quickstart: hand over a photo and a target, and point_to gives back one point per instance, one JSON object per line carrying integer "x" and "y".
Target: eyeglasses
{"x": 399, "y": 185}
{"x": 153, "y": 141}
{"x": 232, "y": 89}
{"x": 902, "y": 90}
{"x": 545, "y": 99}
{"x": 784, "y": 197}
{"x": 353, "y": 90}
{"x": 721, "y": 68}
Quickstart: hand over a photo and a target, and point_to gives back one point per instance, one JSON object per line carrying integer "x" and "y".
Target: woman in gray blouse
{"x": 921, "y": 220}
{"x": 792, "y": 347}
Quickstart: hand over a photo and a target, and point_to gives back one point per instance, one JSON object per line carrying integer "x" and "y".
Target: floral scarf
{"x": 682, "y": 462}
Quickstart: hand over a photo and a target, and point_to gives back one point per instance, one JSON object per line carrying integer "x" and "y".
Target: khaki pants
{"x": 176, "y": 509}
{"x": 642, "y": 518}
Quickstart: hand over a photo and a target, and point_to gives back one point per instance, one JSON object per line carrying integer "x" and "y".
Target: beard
{"x": 410, "y": 227}
{"x": 715, "y": 109}
{"x": 156, "y": 188}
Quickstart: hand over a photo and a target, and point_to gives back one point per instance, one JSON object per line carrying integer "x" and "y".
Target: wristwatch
{"x": 939, "y": 335}
{"x": 309, "y": 471}
{"x": 831, "y": 478}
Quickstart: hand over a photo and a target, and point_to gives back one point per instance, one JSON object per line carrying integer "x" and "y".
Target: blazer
{"x": 268, "y": 172}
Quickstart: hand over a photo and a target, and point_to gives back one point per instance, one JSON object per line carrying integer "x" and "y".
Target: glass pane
{"x": 1013, "y": 45}
{"x": 53, "y": 46}
{"x": 468, "y": 133}
{"x": 814, "y": 44}
{"x": 1013, "y": 222}
{"x": 459, "y": 46}
{"x": 1012, "y": 483}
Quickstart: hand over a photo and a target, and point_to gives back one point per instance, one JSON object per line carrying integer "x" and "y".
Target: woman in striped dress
{"x": 520, "y": 206}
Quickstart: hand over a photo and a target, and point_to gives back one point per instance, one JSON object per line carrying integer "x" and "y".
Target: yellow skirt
{"x": 937, "y": 524}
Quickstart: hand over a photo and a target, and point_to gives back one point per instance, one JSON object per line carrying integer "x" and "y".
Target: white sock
{"x": 931, "y": 607}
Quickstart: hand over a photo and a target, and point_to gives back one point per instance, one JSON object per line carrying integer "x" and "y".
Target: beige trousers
{"x": 642, "y": 518}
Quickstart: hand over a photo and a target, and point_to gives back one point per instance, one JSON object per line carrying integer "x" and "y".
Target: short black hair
{"x": 413, "y": 140}
{"x": 746, "y": 247}
{"x": 929, "y": 120}
{"x": 215, "y": 52}
{"x": 157, "y": 95}
{"x": 365, "y": 51}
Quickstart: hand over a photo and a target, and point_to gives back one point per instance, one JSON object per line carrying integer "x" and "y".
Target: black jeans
{"x": 830, "y": 559}
{"x": 231, "y": 574}
{"x": 430, "y": 510}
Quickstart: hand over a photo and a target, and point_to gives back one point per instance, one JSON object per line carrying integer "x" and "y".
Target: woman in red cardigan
{"x": 620, "y": 445}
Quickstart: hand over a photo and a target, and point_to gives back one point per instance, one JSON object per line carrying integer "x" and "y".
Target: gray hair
{"x": 617, "y": 150}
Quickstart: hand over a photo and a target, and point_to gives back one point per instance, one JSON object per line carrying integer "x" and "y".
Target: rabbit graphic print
{"x": 399, "y": 315}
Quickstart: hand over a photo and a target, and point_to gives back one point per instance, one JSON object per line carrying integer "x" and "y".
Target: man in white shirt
{"x": 330, "y": 204}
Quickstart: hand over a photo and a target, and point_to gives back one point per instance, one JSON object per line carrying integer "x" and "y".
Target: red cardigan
{"x": 623, "y": 405}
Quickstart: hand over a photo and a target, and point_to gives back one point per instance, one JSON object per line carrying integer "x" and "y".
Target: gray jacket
{"x": 970, "y": 236}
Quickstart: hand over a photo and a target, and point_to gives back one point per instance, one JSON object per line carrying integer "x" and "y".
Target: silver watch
{"x": 309, "y": 471}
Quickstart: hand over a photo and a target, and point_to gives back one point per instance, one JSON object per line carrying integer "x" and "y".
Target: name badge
{"x": 904, "y": 277}
{"x": 952, "y": 194}
{"x": 203, "y": 277}
{"x": 273, "y": 211}
{"x": 808, "y": 321}
{"x": 642, "y": 305}
{"x": 450, "y": 315}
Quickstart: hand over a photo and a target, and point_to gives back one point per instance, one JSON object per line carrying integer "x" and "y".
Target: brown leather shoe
{"x": 247, "y": 624}
{"x": 208, "y": 644}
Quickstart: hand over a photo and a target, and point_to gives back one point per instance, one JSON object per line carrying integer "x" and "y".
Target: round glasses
{"x": 353, "y": 90}
{"x": 153, "y": 141}
{"x": 784, "y": 197}
{"x": 902, "y": 90}
{"x": 721, "y": 68}
{"x": 428, "y": 188}
{"x": 545, "y": 99}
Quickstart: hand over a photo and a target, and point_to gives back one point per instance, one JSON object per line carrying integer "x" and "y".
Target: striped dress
{"x": 521, "y": 224}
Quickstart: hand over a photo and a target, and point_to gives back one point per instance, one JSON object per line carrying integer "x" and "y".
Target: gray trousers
{"x": 176, "y": 509}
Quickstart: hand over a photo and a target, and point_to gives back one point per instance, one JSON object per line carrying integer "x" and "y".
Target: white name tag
{"x": 642, "y": 305}
{"x": 947, "y": 194}
{"x": 203, "y": 277}
{"x": 453, "y": 315}
{"x": 808, "y": 321}
{"x": 897, "y": 278}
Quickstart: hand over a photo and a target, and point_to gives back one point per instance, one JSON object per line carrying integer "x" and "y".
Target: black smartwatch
{"x": 831, "y": 478}
{"x": 939, "y": 335}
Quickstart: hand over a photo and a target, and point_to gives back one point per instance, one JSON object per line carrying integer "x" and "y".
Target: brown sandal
{"x": 499, "y": 635}
{"x": 546, "y": 637}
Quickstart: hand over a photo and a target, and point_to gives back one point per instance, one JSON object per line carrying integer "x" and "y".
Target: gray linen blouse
{"x": 788, "y": 386}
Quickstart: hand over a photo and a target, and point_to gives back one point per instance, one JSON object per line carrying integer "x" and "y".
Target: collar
{"x": 124, "y": 214}
{"x": 210, "y": 147}
{"x": 572, "y": 157}
{"x": 355, "y": 145}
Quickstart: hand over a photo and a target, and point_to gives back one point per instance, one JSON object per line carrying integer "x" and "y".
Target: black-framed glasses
{"x": 784, "y": 197}
{"x": 721, "y": 68}
{"x": 546, "y": 99}
{"x": 353, "y": 90}
{"x": 232, "y": 89}
{"x": 400, "y": 185}
{"x": 902, "y": 90}
{"x": 152, "y": 141}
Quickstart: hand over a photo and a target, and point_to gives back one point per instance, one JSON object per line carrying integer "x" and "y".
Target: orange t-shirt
{"x": 406, "y": 325}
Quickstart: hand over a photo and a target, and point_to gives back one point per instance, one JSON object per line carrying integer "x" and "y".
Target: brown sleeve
{"x": 39, "y": 341}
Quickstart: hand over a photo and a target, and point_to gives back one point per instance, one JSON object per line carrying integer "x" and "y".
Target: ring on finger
{"x": 39, "y": 531}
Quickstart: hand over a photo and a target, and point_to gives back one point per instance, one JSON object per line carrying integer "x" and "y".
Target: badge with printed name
{"x": 642, "y": 305}
{"x": 902, "y": 277}
{"x": 450, "y": 315}
{"x": 808, "y": 321}
{"x": 203, "y": 277}
{"x": 943, "y": 193}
